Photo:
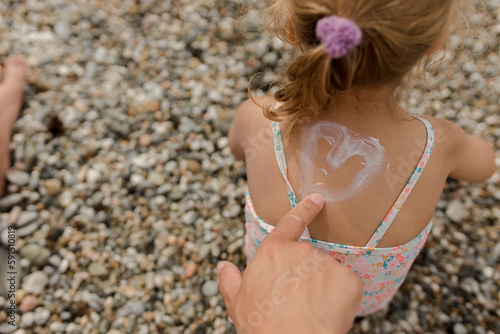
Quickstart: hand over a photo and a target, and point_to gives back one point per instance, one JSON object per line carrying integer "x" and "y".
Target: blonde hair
{"x": 397, "y": 38}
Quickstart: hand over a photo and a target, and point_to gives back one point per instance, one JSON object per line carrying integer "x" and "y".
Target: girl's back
{"x": 352, "y": 221}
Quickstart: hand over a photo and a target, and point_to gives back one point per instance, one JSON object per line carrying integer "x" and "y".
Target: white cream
{"x": 345, "y": 144}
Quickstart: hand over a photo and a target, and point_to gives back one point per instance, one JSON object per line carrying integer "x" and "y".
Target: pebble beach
{"x": 124, "y": 194}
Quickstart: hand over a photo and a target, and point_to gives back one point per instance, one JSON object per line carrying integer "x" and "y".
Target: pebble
{"x": 365, "y": 326}
{"x": 156, "y": 179}
{"x": 455, "y": 210}
{"x": 63, "y": 266}
{"x": 26, "y": 217}
{"x": 460, "y": 329}
{"x": 193, "y": 166}
{"x": 73, "y": 328}
{"x": 28, "y": 303}
{"x": 131, "y": 307}
{"x": 488, "y": 272}
{"x": 9, "y": 201}
{"x": 53, "y": 186}
{"x": 171, "y": 166}
{"x": 27, "y": 319}
{"x": 189, "y": 217}
{"x": 35, "y": 283}
{"x": 190, "y": 268}
{"x": 62, "y": 29}
{"x": 93, "y": 176}
{"x": 17, "y": 177}
{"x": 27, "y": 229}
{"x": 235, "y": 246}
{"x": 38, "y": 255}
{"x": 41, "y": 316}
{"x": 178, "y": 270}
{"x": 232, "y": 211}
{"x": 57, "y": 327}
{"x": 145, "y": 140}
{"x": 6, "y": 328}
{"x": 70, "y": 210}
{"x": 137, "y": 180}
{"x": 209, "y": 288}
{"x": 92, "y": 300}
{"x": 97, "y": 269}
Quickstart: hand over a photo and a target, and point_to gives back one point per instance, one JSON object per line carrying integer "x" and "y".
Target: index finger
{"x": 293, "y": 224}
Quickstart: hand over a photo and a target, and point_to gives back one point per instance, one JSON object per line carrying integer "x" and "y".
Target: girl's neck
{"x": 367, "y": 103}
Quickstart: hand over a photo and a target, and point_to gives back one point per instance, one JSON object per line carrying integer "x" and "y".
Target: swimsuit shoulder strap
{"x": 386, "y": 223}
{"x": 279, "y": 151}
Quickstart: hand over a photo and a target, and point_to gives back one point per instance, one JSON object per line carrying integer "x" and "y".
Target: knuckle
{"x": 271, "y": 244}
{"x": 306, "y": 247}
{"x": 294, "y": 220}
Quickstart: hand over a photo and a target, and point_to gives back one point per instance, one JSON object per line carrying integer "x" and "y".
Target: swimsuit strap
{"x": 384, "y": 226}
{"x": 279, "y": 151}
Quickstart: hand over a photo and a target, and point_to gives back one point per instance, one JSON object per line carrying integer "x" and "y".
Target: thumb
{"x": 291, "y": 226}
{"x": 229, "y": 282}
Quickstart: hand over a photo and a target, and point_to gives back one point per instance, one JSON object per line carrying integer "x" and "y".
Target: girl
{"x": 336, "y": 128}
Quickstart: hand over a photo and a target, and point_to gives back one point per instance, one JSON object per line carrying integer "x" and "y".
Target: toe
{"x": 14, "y": 72}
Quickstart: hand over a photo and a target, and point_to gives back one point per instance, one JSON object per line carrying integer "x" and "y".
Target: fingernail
{"x": 317, "y": 198}
{"x": 220, "y": 265}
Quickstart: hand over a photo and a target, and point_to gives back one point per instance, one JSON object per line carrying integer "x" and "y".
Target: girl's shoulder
{"x": 249, "y": 122}
{"x": 468, "y": 158}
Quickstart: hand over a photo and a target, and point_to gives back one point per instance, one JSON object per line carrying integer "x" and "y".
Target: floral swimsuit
{"x": 382, "y": 270}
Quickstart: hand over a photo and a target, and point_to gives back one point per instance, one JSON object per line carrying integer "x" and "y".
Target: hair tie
{"x": 338, "y": 35}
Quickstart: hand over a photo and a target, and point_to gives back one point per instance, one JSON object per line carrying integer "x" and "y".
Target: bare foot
{"x": 11, "y": 96}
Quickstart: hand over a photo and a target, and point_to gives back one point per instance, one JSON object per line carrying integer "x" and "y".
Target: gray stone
{"x": 57, "y": 327}
{"x": 156, "y": 179}
{"x": 133, "y": 306}
{"x": 28, "y": 229}
{"x": 38, "y": 255}
{"x": 92, "y": 300}
{"x": 26, "y": 217}
{"x": 17, "y": 177}
{"x": 93, "y": 176}
{"x": 232, "y": 212}
{"x": 235, "y": 246}
{"x": 70, "y": 210}
{"x": 460, "y": 329}
{"x": 137, "y": 180}
{"x": 41, "y": 316}
{"x": 189, "y": 217}
{"x": 6, "y": 328}
{"x": 73, "y": 328}
{"x": 27, "y": 319}
{"x": 35, "y": 283}
{"x": 98, "y": 269}
{"x": 455, "y": 210}
{"x": 10, "y": 200}
{"x": 62, "y": 29}
{"x": 209, "y": 288}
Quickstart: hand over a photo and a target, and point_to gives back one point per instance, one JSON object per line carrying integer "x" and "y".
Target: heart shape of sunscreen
{"x": 345, "y": 144}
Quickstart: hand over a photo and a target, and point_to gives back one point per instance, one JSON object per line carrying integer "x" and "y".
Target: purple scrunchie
{"x": 338, "y": 35}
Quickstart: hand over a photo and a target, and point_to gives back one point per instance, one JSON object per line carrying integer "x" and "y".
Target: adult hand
{"x": 289, "y": 287}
